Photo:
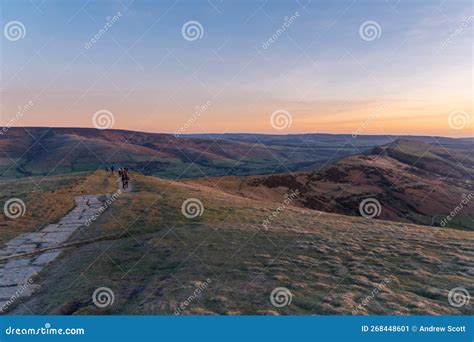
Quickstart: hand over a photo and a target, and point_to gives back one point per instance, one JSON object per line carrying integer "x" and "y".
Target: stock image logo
{"x": 281, "y": 119}
{"x": 201, "y": 286}
{"x": 192, "y": 30}
{"x": 458, "y": 297}
{"x": 103, "y": 119}
{"x": 14, "y": 30}
{"x": 459, "y": 119}
{"x": 370, "y": 30}
{"x": 370, "y": 208}
{"x": 288, "y": 199}
{"x": 14, "y": 208}
{"x": 192, "y": 208}
{"x": 281, "y": 297}
{"x": 103, "y": 297}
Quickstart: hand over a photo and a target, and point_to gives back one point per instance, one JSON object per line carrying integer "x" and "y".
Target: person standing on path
{"x": 125, "y": 178}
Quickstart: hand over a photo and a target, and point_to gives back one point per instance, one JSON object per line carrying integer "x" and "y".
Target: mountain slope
{"x": 44, "y": 151}
{"x": 412, "y": 181}
{"x": 331, "y": 263}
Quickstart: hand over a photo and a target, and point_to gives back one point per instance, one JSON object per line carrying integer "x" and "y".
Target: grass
{"x": 47, "y": 199}
{"x": 329, "y": 262}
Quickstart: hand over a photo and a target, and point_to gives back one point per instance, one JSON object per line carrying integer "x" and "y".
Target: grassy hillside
{"x": 330, "y": 263}
{"x": 47, "y": 199}
{"x": 51, "y": 151}
{"x": 413, "y": 182}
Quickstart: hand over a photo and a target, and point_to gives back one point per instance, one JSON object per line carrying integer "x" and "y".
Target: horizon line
{"x": 241, "y": 133}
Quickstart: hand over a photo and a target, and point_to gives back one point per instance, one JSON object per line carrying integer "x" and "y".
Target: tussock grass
{"x": 47, "y": 199}
{"x": 329, "y": 262}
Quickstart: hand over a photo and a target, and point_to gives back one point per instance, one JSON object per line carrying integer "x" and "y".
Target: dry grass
{"x": 48, "y": 199}
{"x": 330, "y": 263}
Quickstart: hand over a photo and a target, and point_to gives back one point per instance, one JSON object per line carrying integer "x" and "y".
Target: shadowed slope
{"x": 413, "y": 181}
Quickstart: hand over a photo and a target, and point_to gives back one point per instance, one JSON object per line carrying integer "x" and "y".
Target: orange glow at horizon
{"x": 337, "y": 117}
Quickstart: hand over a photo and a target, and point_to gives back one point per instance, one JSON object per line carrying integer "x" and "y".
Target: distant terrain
{"x": 49, "y": 151}
{"x": 413, "y": 181}
{"x": 276, "y": 211}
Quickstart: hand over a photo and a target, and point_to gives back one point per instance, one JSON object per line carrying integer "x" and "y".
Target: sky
{"x": 278, "y": 67}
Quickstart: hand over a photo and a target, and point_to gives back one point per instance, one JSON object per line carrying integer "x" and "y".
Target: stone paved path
{"x": 16, "y": 274}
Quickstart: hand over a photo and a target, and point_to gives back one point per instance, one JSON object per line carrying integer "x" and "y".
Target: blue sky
{"x": 319, "y": 69}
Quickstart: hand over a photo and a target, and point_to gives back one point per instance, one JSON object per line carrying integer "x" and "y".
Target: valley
{"x": 268, "y": 212}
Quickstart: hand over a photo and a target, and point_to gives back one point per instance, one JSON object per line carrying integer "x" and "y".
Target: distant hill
{"x": 413, "y": 182}
{"x": 60, "y": 150}
{"x": 46, "y": 151}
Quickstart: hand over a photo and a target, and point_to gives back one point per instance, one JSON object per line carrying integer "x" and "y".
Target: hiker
{"x": 125, "y": 178}
{"x": 120, "y": 172}
{"x": 112, "y": 168}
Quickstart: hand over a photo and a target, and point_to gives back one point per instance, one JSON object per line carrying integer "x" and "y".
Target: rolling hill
{"x": 413, "y": 182}
{"x": 49, "y": 151}
{"x": 418, "y": 181}
{"x": 153, "y": 258}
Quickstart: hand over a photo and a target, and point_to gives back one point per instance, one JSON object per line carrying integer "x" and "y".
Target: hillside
{"x": 331, "y": 263}
{"x": 413, "y": 181}
{"x": 56, "y": 150}
{"x": 50, "y": 151}
{"x": 44, "y": 151}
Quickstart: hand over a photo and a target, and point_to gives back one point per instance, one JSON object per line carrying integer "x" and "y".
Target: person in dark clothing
{"x": 112, "y": 168}
{"x": 125, "y": 178}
